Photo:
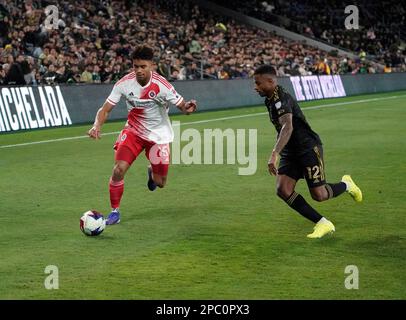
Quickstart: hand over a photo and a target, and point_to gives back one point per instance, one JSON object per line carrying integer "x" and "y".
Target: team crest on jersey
{"x": 278, "y": 104}
{"x": 152, "y": 94}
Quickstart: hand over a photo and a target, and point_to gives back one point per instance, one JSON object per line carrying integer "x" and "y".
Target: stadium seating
{"x": 91, "y": 42}
{"x": 381, "y": 36}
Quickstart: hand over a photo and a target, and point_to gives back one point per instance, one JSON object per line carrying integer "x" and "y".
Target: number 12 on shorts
{"x": 315, "y": 173}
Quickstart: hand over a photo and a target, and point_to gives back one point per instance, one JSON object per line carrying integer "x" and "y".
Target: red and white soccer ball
{"x": 92, "y": 223}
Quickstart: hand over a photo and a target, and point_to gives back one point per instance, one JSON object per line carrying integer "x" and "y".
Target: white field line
{"x": 210, "y": 120}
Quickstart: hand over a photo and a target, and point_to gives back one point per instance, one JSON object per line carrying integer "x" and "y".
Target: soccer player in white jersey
{"x": 148, "y": 127}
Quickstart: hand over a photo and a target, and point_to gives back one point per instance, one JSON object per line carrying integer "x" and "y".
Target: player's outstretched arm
{"x": 188, "y": 107}
{"x": 101, "y": 117}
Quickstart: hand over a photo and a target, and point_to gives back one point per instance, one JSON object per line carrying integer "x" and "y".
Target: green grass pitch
{"x": 210, "y": 234}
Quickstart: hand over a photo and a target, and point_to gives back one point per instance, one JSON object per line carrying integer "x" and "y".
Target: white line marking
{"x": 210, "y": 120}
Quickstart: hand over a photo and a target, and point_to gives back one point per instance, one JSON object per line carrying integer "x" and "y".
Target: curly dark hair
{"x": 265, "y": 69}
{"x": 143, "y": 53}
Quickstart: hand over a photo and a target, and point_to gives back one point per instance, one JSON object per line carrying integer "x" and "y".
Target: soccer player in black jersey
{"x": 301, "y": 154}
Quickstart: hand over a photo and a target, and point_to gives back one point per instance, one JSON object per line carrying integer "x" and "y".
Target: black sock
{"x": 298, "y": 203}
{"x": 334, "y": 190}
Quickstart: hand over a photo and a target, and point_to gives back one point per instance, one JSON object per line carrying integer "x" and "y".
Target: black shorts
{"x": 309, "y": 166}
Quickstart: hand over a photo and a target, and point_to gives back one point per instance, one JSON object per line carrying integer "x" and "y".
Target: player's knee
{"x": 318, "y": 196}
{"x": 118, "y": 172}
{"x": 283, "y": 192}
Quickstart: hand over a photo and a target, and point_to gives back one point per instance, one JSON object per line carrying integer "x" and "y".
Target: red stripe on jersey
{"x": 162, "y": 80}
{"x": 127, "y": 77}
{"x": 130, "y": 75}
{"x": 135, "y": 120}
{"x": 162, "y": 77}
{"x": 150, "y": 92}
{"x": 164, "y": 84}
{"x": 124, "y": 79}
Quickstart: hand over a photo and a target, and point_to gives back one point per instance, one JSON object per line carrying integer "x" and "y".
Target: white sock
{"x": 323, "y": 220}
{"x": 347, "y": 185}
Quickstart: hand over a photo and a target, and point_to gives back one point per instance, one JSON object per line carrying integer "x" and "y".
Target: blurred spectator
{"x": 268, "y": 7}
{"x": 192, "y": 72}
{"x": 117, "y": 73}
{"x": 195, "y": 46}
{"x": 96, "y": 78}
{"x": 86, "y": 75}
{"x": 15, "y": 75}
{"x": 50, "y": 75}
{"x": 61, "y": 75}
{"x": 29, "y": 76}
{"x": 322, "y": 67}
{"x": 2, "y": 75}
{"x": 164, "y": 67}
{"x": 72, "y": 74}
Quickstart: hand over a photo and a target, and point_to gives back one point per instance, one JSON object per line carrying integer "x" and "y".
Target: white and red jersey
{"x": 147, "y": 106}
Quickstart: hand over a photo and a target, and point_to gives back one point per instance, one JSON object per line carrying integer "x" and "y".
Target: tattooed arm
{"x": 284, "y": 136}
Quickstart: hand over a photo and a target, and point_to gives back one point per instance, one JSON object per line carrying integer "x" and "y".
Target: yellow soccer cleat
{"x": 322, "y": 228}
{"x": 352, "y": 188}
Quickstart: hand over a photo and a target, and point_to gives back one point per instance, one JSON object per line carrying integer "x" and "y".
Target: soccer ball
{"x": 92, "y": 223}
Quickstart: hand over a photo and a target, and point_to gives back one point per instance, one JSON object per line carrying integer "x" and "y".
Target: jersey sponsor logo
{"x": 24, "y": 108}
{"x": 317, "y": 87}
{"x": 140, "y": 103}
{"x": 123, "y": 137}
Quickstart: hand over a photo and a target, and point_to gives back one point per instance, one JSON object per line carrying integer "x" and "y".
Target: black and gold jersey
{"x": 303, "y": 138}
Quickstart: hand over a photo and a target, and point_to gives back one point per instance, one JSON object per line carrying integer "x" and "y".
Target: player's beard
{"x": 142, "y": 79}
{"x": 261, "y": 93}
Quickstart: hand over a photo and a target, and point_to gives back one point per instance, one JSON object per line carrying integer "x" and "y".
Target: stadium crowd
{"x": 91, "y": 41}
{"x": 381, "y": 35}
